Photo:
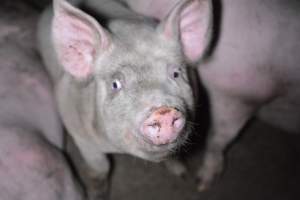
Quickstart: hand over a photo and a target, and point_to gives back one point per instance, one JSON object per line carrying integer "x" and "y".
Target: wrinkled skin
{"x": 252, "y": 69}
{"x": 32, "y": 166}
{"x": 116, "y": 89}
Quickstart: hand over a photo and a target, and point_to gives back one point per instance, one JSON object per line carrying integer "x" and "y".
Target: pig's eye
{"x": 116, "y": 85}
{"x": 176, "y": 73}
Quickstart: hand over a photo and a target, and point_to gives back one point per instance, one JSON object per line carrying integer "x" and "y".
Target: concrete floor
{"x": 262, "y": 164}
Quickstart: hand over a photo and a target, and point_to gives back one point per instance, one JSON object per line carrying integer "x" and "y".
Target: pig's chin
{"x": 157, "y": 156}
{"x": 155, "y": 153}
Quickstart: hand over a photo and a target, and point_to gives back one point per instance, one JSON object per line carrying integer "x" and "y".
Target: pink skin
{"x": 77, "y": 40}
{"x": 163, "y": 126}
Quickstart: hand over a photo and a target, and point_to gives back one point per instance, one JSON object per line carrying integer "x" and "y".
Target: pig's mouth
{"x": 157, "y": 153}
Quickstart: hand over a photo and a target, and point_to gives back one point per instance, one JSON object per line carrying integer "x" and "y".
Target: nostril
{"x": 174, "y": 120}
{"x": 178, "y": 122}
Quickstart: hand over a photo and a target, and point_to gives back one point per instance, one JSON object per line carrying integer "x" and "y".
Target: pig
{"x": 32, "y": 165}
{"x": 251, "y": 68}
{"x": 122, "y": 85}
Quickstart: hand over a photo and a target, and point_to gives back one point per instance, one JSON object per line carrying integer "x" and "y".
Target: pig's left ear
{"x": 78, "y": 39}
{"x": 190, "y": 23}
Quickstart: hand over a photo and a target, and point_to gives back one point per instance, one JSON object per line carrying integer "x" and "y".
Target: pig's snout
{"x": 163, "y": 125}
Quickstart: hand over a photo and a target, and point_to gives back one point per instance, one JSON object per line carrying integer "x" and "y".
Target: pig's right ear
{"x": 190, "y": 23}
{"x": 78, "y": 39}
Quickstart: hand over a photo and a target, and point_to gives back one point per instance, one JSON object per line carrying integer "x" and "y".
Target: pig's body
{"x": 256, "y": 59}
{"x": 32, "y": 166}
{"x": 253, "y": 69}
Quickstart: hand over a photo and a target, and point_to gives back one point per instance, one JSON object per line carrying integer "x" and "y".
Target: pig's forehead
{"x": 134, "y": 61}
{"x": 144, "y": 48}
{"x": 143, "y": 40}
{"x": 147, "y": 52}
{"x": 130, "y": 61}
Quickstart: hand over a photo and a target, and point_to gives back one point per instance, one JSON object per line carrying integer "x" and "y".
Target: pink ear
{"x": 190, "y": 22}
{"x": 77, "y": 39}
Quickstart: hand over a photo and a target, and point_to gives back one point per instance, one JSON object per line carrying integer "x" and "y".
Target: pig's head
{"x": 142, "y": 95}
